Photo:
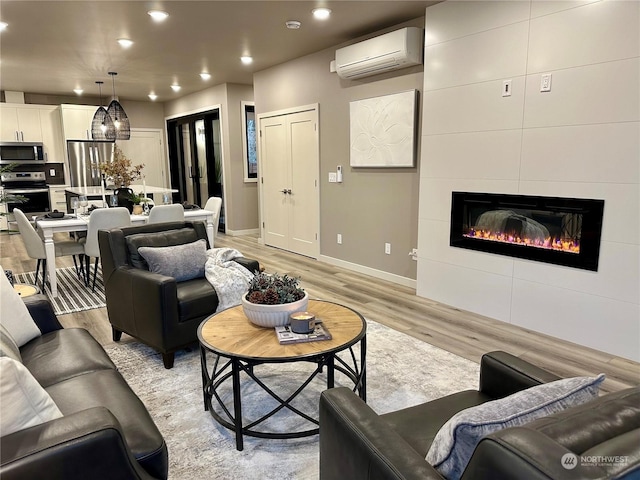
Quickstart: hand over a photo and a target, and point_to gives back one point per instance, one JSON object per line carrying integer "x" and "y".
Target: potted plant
{"x": 271, "y": 298}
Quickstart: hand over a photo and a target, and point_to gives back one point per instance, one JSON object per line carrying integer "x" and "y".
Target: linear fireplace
{"x": 564, "y": 231}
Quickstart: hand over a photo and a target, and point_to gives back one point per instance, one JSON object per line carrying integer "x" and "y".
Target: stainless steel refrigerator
{"x": 85, "y": 157}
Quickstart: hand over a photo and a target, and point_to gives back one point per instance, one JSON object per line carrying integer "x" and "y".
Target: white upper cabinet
{"x": 20, "y": 123}
{"x": 52, "y": 138}
{"x": 76, "y": 121}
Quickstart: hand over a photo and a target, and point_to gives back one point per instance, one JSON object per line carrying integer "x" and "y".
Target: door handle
{"x": 286, "y": 191}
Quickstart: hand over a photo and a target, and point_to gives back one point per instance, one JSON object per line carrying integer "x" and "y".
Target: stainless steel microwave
{"x": 23, "y": 153}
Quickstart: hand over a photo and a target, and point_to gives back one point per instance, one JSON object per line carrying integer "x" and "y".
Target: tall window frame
{"x": 249, "y": 141}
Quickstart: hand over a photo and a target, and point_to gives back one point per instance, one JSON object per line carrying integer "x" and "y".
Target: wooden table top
{"x": 231, "y": 334}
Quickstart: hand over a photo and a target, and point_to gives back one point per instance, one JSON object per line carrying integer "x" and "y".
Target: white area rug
{"x": 401, "y": 372}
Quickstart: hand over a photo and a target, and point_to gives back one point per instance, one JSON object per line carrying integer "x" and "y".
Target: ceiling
{"x": 52, "y": 47}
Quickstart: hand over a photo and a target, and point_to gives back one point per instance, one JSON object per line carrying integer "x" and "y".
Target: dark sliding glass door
{"x": 195, "y": 158}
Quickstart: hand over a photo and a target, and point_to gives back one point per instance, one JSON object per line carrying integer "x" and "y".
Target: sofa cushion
{"x": 107, "y": 388}
{"x": 24, "y": 402}
{"x": 457, "y": 439}
{"x": 8, "y": 346}
{"x": 63, "y": 354}
{"x": 182, "y": 262}
{"x": 166, "y": 238}
{"x": 15, "y": 316}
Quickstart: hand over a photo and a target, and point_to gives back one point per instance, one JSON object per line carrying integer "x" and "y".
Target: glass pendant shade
{"x": 102, "y": 127}
{"x": 120, "y": 120}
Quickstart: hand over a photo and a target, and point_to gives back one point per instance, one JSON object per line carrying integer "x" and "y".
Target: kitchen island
{"x": 95, "y": 193}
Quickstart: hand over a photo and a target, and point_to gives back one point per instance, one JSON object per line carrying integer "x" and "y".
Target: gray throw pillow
{"x": 455, "y": 442}
{"x": 167, "y": 238}
{"x": 182, "y": 262}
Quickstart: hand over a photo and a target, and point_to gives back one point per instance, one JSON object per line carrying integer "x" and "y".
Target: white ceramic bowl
{"x": 272, "y": 315}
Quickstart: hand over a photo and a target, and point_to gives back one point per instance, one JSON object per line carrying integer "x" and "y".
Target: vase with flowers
{"x": 121, "y": 172}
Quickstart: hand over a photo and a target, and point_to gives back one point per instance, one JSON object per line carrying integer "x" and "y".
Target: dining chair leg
{"x": 95, "y": 272}
{"x": 37, "y": 270}
{"x": 87, "y": 270}
{"x": 79, "y": 269}
{"x": 44, "y": 273}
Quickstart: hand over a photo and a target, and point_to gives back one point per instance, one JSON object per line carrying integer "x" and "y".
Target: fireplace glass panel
{"x": 563, "y": 231}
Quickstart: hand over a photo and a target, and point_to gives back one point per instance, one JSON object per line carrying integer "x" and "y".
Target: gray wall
{"x": 578, "y": 140}
{"x": 372, "y": 206}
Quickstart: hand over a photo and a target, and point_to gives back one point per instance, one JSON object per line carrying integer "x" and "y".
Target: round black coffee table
{"x": 238, "y": 346}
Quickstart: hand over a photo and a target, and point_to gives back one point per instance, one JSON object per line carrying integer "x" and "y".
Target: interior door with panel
{"x": 289, "y": 163}
{"x": 145, "y": 146}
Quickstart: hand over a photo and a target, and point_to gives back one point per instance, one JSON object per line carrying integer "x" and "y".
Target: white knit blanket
{"x": 228, "y": 278}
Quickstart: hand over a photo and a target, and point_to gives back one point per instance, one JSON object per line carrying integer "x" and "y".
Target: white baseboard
{"x": 390, "y": 277}
{"x": 237, "y": 233}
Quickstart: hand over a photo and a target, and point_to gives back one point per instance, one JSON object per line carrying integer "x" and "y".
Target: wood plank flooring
{"x": 463, "y": 333}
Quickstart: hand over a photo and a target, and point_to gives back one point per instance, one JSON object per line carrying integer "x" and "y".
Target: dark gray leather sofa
{"x": 105, "y": 432}
{"x": 155, "y": 309}
{"x": 356, "y": 443}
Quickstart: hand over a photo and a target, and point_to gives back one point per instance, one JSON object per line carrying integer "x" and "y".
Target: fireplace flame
{"x": 548, "y": 243}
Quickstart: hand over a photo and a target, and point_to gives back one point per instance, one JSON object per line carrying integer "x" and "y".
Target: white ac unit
{"x": 391, "y": 51}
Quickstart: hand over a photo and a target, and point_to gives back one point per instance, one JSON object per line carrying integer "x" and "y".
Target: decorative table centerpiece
{"x": 272, "y": 298}
{"x": 122, "y": 173}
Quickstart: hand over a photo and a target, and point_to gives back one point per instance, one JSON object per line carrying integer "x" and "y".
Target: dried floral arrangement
{"x": 120, "y": 171}
{"x": 274, "y": 289}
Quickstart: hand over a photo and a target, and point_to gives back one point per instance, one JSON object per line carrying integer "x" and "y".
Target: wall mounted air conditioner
{"x": 391, "y": 51}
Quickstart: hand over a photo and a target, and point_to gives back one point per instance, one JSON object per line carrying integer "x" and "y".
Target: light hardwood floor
{"x": 466, "y": 334}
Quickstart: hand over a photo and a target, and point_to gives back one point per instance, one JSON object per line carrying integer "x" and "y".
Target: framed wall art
{"x": 383, "y": 130}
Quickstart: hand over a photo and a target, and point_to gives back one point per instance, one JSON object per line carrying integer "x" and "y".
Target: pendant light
{"x": 118, "y": 115}
{"x": 101, "y": 126}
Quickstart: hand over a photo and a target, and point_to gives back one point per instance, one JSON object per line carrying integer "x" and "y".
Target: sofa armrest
{"x": 252, "y": 265}
{"x": 502, "y": 374}
{"x": 357, "y": 444}
{"x": 87, "y": 444}
{"x": 41, "y": 311}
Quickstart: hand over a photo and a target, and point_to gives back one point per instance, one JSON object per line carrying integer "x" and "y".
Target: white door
{"x": 145, "y": 146}
{"x": 289, "y": 162}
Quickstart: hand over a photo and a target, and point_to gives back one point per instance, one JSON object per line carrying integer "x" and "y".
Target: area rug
{"x": 401, "y": 371}
{"x": 73, "y": 296}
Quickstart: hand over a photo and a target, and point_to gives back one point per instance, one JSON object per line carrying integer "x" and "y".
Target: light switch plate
{"x": 332, "y": 177}
{"x": 545, "y": 82}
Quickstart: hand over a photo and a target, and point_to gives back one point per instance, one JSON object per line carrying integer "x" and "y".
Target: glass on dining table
{"x": 84, "y": 203}
{"x": 75, "y": 203}
{"x": 113, "y": 201}
{"x": 167, "y": 198}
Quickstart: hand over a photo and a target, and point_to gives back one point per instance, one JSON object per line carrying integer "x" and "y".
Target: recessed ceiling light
{"x": 125, "y": 42}
{"x": 246, "y": 59}
{"x": 3, "y": 25}
{"x": 158, "y": 15}
{"x": 175, "y": 87}
{"x": 78, "y": 91}
{"x": 205, "y": 76}
{"x": 153, "y": 96}
{"x": 321, "y": 13}
{"x": 293, "y": 24}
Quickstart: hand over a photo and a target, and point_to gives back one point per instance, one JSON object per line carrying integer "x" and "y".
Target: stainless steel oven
{"x": 30, "y": 185}
{"x": 21, "y": 153}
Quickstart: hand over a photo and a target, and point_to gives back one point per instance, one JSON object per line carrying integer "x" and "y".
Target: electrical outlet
{"x": 332, "y": 177}
{"x": 545, "y": 82}
{"x": 339, "y": 239}
{"x": 387, "y": 248}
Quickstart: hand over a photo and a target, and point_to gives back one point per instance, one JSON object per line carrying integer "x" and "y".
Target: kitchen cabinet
{"x": 52, "y": 137}
{"x": 76, "y": 121}
{"x": 58, "y": 198}
{"x": 20, "y": 123}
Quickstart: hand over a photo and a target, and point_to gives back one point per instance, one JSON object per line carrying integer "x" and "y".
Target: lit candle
{"x": 302, "y": 322}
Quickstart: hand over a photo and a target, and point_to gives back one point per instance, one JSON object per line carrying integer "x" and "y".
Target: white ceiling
{"x": 52, "y": 47}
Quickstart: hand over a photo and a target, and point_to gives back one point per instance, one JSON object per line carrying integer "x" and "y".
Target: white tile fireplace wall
{"x": 581, "y": 139}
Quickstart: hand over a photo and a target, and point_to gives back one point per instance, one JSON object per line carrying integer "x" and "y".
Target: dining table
{"x": 80, "y": 223}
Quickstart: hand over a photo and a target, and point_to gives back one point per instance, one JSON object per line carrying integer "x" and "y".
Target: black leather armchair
{"x": 356, "y": 443}
{"x": 154, "y": 308}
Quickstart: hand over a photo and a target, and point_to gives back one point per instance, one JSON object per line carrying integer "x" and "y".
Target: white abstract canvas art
{"x": 383, "y": 131}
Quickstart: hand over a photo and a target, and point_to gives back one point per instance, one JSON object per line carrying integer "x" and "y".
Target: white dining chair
{"x": 34, "y": 245}
{"x": 214, "y": 204}
{"x": 100, "y": 219}
{"x": 166, "y": 213}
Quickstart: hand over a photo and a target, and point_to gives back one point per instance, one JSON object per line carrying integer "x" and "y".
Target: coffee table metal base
{"x": 224, "y": 369}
